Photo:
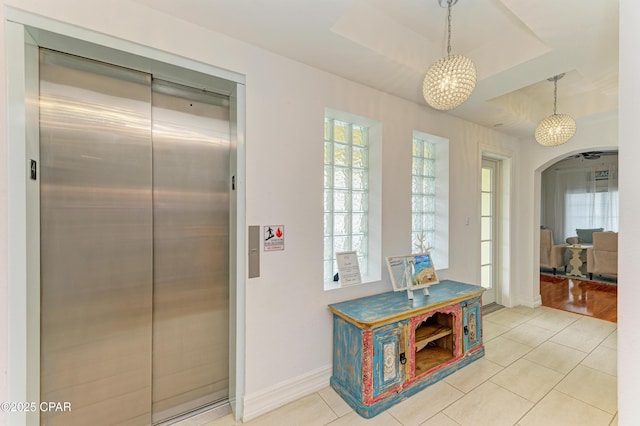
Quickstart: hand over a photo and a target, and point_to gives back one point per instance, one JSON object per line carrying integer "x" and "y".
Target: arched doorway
{"x": 579, "y": 196}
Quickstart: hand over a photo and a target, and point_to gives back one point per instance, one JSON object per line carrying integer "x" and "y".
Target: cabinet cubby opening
{"x": 433, "y": 343}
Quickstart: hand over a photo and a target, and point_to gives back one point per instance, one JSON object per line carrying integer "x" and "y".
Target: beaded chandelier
{"x": 556, "y": 129}
{"x": 449, "y": 81}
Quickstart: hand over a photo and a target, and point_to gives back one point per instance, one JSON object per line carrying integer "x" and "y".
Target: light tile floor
{"x": 541, "y": 367}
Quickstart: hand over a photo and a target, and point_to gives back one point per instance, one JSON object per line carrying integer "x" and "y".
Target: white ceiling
{"x": 389, "y": 44}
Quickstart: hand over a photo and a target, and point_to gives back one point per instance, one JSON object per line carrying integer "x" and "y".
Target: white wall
{"x": 601, "y": 135}
{"x": 289, "y": 328}
{"x": 628, "y": 249}
{"x": 289, "y": 334}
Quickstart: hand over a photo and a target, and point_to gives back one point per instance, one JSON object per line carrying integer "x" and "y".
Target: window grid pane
{"x": 346, "y": 174}
{"x": 486, "y": 204}
{"x": 487, "y": 229}
{"x": 486, "y": 272}
{"x": 341, "y": 201}
{"x": 359, "y": 201}
{"x": 423, "y": 200}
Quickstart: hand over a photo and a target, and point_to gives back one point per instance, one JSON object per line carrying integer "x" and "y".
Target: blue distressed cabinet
{"x": 387, "y": 347}
{"x": 471, "y": 317}
{"x": 388, "y": 362}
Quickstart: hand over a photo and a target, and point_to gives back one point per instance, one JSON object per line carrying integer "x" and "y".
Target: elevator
{"x": 134, "y": 244}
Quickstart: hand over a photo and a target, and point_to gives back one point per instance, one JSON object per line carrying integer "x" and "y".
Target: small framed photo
{"x": 412, "y": 271}
{"x": 348, "y": 268}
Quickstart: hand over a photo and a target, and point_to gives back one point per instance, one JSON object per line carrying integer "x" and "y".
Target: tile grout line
{"x": 330, "y": 408}
{"x": 585, "y": 402}
{"x": 564, "y": 375}
{"x": 580, "y": 363}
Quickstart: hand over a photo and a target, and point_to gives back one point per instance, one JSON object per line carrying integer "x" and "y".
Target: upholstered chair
{"x": 551, "y": 256}
{"x": 602, "y": 258}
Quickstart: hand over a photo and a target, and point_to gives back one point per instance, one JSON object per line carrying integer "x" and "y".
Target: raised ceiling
{"x": 389, "y": 44}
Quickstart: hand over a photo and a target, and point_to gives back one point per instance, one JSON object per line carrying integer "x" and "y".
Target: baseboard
{"x": 534, "y": 302}
{"x": 282, "y": 393}
{"x": 537, "y": 301}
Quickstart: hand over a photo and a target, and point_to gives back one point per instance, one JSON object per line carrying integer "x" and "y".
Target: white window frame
{"x": 372, "y": 268}
{"x": 489, "y": 258}
{"x": 440, "y": 249}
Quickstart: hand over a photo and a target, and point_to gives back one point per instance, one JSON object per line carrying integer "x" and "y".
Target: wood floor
{"x": 582, "y": 297}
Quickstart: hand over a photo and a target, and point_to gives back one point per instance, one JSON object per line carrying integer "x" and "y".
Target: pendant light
{"x": 449, "y": 81}
{"x": 556, "y": 129}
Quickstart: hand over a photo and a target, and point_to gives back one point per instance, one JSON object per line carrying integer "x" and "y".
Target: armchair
{"x": 551, "y": 256}
{"x": 602, "y": 258}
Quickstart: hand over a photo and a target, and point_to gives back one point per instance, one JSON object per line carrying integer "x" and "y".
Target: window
{"x": 423, "y": 196}
{"x": 351, "y": 176}
{"x": 430, "y": 197}
{"x": 580, "y": 197}
{"x": 591, "y": 210}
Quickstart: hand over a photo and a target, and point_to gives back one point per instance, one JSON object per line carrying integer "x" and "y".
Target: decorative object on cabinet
{"x": 422, "y": 238}
{"x": 412, "y": 272}
{"x": 387, "y": 347}
{"x": 348, "y": 268}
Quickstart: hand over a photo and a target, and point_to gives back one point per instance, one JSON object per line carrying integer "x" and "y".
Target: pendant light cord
{"x": 555, "y": 94}
{"x": 449, "y": 28}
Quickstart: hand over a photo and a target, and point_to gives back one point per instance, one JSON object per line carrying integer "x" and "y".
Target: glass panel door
{"x": 488, "y": 231}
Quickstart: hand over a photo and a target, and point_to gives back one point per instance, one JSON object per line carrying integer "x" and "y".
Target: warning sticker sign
{"x": 273, "y": 237}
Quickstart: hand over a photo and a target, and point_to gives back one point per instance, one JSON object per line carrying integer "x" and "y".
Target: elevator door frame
{"x": 24, "y": 33}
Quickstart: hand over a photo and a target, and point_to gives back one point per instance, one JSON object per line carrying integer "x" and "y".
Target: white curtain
{"x": 585, "y": 198}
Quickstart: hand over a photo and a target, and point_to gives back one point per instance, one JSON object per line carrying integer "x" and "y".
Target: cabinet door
{"x": 389, "y": 356}
{"x": 471, "y": 324}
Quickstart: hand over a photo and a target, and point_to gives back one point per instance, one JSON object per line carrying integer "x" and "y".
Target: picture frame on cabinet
{"x": 348, "y": 268}
{"x": 412, "y": 272}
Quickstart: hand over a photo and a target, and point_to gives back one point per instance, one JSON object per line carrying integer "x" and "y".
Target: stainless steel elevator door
{"x": 191, "y": 255}
{"x": 96, "y": 241}
{"x": 134, "y": 217}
